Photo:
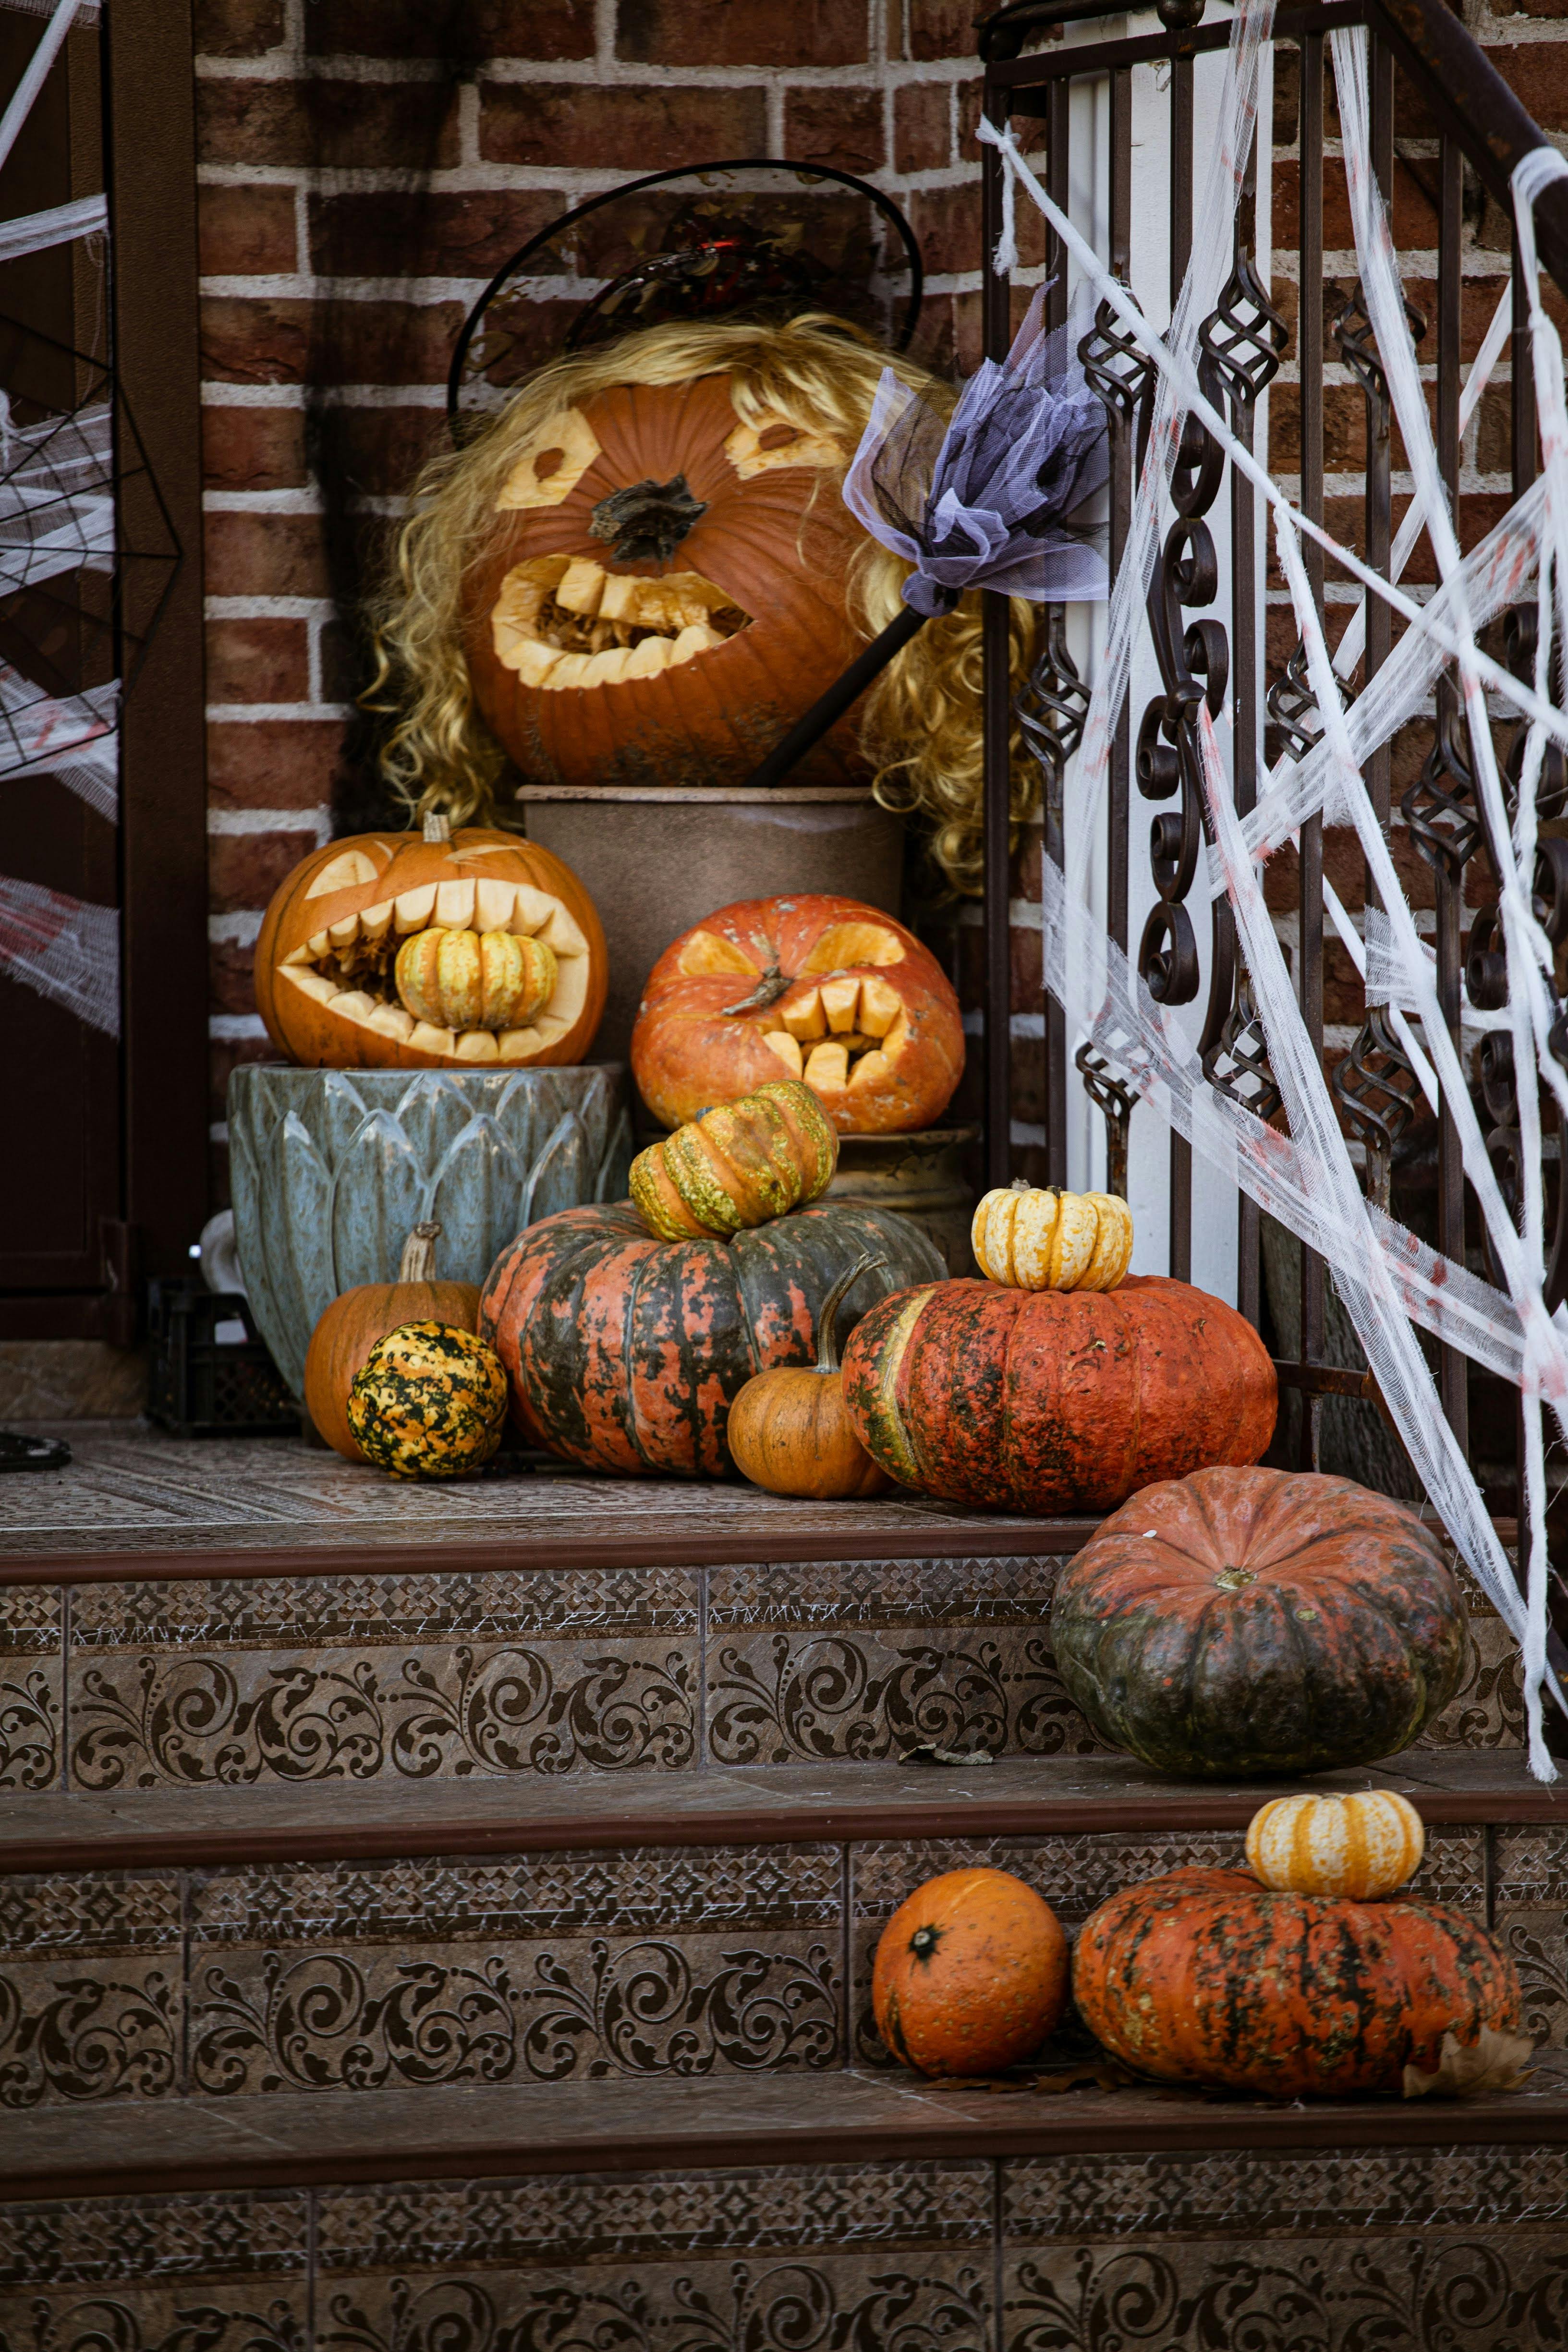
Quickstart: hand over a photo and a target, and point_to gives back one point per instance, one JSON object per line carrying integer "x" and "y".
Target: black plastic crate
{"x": 200, "y": 1385}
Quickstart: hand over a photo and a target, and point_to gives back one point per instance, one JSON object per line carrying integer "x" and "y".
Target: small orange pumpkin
{"x": 471, "y": 951}
{"x": 359, "y": 1319}
{"x": 971, "y": 1974}
{"x": 789, "y": 1431}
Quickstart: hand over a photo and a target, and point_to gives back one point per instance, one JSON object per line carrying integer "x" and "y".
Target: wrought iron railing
{"x": 1421, "y": 60}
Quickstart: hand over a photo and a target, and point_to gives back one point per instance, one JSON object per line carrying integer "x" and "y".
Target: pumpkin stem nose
{"x": 648, "y": 521}
{"x": 924, "y": 1941}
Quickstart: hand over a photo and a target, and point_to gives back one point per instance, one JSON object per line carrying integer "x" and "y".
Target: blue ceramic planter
{"x": 331, "y": 1169}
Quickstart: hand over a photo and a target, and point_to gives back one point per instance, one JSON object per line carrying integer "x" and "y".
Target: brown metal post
{"x": 152, "y": 190}
{"x": 997, "y": 720}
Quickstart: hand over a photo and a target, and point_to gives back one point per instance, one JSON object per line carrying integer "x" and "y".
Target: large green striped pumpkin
{"x": 625, "y": 1352}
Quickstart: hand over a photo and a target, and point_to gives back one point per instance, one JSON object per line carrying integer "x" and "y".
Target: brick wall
{"x": 365, "y": 165}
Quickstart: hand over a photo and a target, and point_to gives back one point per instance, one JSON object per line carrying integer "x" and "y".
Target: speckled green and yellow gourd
{"x": 429, "y": 1401}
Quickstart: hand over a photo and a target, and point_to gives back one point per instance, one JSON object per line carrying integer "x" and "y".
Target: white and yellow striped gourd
{"x": 1035, "y": 1239}
{"x": 1358, "y": 1846}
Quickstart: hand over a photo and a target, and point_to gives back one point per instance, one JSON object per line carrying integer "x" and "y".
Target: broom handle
{"x": 808, "y": 731}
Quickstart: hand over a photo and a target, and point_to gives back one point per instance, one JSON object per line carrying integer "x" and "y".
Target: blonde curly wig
{"x": 920, "y": 724}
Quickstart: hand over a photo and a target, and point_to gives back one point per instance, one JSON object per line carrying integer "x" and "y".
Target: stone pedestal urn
{"x": 331, "y": 1169}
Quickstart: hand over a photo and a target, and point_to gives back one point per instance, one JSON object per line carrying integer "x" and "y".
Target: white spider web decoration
{"x": 1387, "y": 1280}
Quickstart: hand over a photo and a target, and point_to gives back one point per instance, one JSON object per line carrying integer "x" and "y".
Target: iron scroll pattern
{"x": 1241, "y": 344}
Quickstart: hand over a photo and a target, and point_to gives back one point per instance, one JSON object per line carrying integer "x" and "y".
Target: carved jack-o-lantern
{"x": 389, "y": 951}
{"x": 665, "y": 593}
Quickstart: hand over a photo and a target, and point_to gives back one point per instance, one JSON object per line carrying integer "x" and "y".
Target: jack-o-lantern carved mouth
{"x": 479, "y": 972}
{"x": 834, "y": 1031}
{"x": 563, "y": 620}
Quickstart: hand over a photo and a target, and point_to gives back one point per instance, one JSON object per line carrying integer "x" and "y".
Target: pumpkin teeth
{"x": 530, "y": 986}
{"x": 563, "y": 621}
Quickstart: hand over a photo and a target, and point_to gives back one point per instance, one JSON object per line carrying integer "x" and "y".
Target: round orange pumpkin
{"x": 327, "y": 979}
{"x": 1056, "y": 1400}
{"x": 816, "y": 987}
{"x": 1204, "y": 1976}
{"x": 971, "y": 1974}
{"x": 663, "y": 594}
{"x": 788, "y": 1431}
{"x": 359, "y": 1319}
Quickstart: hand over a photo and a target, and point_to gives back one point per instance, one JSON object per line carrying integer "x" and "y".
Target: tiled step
{"x": 563, "y": 1656}
{"x": 866, "y": 2213}
{"x": 229, "y": 1946}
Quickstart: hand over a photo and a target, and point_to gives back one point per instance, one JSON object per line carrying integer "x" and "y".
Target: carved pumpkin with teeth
{"x": 392, "y": 951}
{"x": 816, "y": 987}
{"x": 664, "y": 595}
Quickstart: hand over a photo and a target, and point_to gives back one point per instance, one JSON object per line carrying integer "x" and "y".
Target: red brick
{"x": 266, "y": 555}
{"x": 237, "y": 29}
{"x": 1029, "y": 131}
{"x": 1415, "y": 218}
{"x": 1024, "y": 963}
{"x": 342, "y": 342}
{"x": 1539, "y": 73}
{"x": 256, "y": 341}
{"x": 231, "y": 982}
{"x": 557, "y": 127}
{"x": 923, "y": 126}
{"x": 842, "y": 128}
{"x": 741, "y": 33}
{"x": 244, "y": 868}
{"x": 942, "y": 28}
{"x": 463, "y": 33}
{"x": 253, "y": 449}
{"x": 947, "y": 223}
{"x": 467, "y": 235}
{"x": 257, "y": 661}
{"x": 411, "y": 125}
{"x": 377, "y": 451}
{"x": 225, "y": 1055}
{"x": 344, "y": 673}
{"x": 281, "y": 763}
{"x": 247, "y": 232}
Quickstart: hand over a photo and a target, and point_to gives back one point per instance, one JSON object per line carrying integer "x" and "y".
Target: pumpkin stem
{"x": 827, "y": 1340}
{"x": 647, "y": 520}
{"x": 438, "y": 827}
{"x": 768, "y": 991}
{"x": 419, "y": 1261}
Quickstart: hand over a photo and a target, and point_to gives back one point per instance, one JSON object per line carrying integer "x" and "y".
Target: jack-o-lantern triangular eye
{"x": 344, "y": 873}
{"x": 551, "y": 463}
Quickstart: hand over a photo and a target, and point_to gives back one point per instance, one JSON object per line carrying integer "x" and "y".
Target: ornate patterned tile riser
{"x": 1422, "y": 2292}
{"x": 568, "y": 2011}
{"x": 343, "y": 1977}
{"x": 1530, "y": 1916}
{"x": 413, "y": 1676}
{"x": 1408, "y": 2250}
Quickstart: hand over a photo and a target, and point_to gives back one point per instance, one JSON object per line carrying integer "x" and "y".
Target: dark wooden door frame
{"x": 151, "y": 175}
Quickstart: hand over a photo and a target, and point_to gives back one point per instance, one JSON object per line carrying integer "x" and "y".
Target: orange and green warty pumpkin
{"x": 819, "y": 988}
{"x": 1204, "y": 1976}
{"x": 1246, "y": 1620}
{"x": 428, "y": 1402}
{"x": 395, "y": 952}
{"x": 662, "y": 596}
{"x": 625, "y": 1352}
{"x": 1056, "y": 1400}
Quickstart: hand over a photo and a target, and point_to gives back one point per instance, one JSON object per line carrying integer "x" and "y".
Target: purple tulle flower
{"x": 994, "y": 498}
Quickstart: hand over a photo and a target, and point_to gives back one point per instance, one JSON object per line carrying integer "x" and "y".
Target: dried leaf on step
{"x": 1496, "y": 2064}
{"x": 925, "y": 1753}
